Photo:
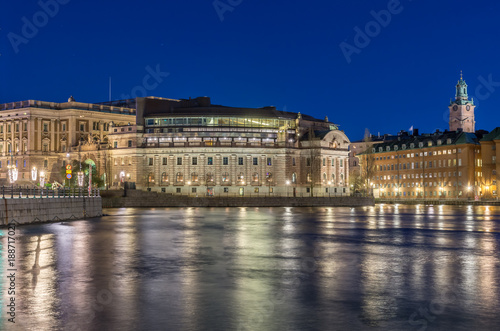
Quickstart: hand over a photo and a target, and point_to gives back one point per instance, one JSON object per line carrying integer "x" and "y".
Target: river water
{"x": 371, "y": 268}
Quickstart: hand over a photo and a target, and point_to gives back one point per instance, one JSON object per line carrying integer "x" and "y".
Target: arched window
{"x": 179, "y": 178}
{"x": 241, "y": 178}
{"x": 333, "y": 178}
{"x": 164, "y": 178}
{"x": 151, "y": 177}
{"x": 269, "y": 176}
{"x": 294, "y": 178}
{"x": 210, "y": 178}
{"x": 341, "y": 178}
{"x": 194, "y": 177}
{"x": 309, "y": 178}
{"x": 225, "y": 177}
{"x": 324, "y": 177}
{"x": 255, "y": 177}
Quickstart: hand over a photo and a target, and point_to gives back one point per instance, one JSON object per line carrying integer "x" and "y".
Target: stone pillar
{"x": 52, "y": 128}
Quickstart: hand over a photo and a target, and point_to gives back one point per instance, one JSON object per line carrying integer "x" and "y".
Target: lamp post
{"x": 33, "y": 174}
{"x": 42, "y": 180}
{"x": 13, "y": 173}
{"x": 329, "y": 189}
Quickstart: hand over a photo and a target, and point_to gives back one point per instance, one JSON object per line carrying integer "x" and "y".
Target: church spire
{"x": 462, "y": 96}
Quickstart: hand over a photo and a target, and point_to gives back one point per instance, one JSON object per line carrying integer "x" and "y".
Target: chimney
{"x": 415, "y": 132}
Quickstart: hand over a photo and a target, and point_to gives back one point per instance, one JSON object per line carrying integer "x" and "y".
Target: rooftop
{"x": 100, "y": 107}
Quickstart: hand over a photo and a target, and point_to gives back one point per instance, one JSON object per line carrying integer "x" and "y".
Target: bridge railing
{"x": 20, "y": 192}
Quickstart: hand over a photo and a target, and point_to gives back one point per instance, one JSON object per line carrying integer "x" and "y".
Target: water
{"x": 372, "y": 268}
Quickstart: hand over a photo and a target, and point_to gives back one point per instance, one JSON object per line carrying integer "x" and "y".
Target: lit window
{"x": 179, "y": 177}
{"x": 255, "y": 177}
{"x": 194, "y": 177}
{"x": 164, "y": 177}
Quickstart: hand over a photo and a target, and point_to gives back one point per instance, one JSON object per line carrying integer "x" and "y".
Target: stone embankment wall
{"x": 440, "y": 202}
{"x": 136, "y": 198}
{"x": 32, "y": 210}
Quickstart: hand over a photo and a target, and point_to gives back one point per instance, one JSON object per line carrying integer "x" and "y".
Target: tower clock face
{"x": 468, "y": 107}
{"x": 455, "y": 108}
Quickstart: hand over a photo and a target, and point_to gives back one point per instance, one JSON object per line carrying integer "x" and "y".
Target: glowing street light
{"x": 33, "y": 174}
{"x": 13, "y": 172}
{"x": 42, "y": 178}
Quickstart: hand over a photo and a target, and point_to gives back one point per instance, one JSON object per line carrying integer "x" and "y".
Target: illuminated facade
{"x": 191, "y": 147}
{"x": 38, "y": 137}
{"x": 460, "y": 163}
{"x": 438, "y": 165}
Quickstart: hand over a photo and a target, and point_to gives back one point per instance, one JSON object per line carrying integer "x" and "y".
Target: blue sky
{"x": 257, "y": 53}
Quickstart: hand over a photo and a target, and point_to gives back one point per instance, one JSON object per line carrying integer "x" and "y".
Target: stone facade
{"x": 45, "y": 135}
{"x": 228, "y": 151}
{"x": 439, "y": 165}
{"x": 182, "y": 147}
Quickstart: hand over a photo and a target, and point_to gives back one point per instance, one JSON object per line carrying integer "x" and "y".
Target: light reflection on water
{"x": 260, "y": 268}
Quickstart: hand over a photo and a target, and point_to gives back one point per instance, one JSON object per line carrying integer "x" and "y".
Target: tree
{"x": 367, "y": 164}
{"x": 356, "y": 182}
{"x": 97, "y": 180}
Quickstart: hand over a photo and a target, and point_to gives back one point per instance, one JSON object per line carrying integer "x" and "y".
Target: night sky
{"x": 256, "y": 53}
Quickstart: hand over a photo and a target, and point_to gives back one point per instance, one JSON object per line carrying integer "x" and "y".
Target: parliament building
{"x": 179, "y": 147}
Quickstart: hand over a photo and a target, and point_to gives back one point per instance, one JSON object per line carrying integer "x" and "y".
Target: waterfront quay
{"x": 457, "y": 202}
{"x": 137, "y": 198}
{"x": 23, "y": 205}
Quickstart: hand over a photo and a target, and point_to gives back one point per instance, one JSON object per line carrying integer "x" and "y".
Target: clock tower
{"x": 462, "y": 110}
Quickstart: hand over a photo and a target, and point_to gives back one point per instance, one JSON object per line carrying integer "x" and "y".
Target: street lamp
{"x": 33, "y": 174}
{"x": 42, "y": 178}
{"x": 13, "y": 172}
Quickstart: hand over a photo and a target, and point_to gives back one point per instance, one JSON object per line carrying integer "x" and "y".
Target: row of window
{"x": 404, "y": 146}
{"x": 241, "y": 161}
{"x": 409, "y": 155}
{"x": 417, "y": 165}
{"x": 45, "y": 127}
{"x": 210, "y": 161}
{"x": 16, "y": 163}
{"x": 209, "y": 177}
{"x": 426, "y": 193}
{"x": 427, "y": 175}
{"x": 16, "y": 126}
{"x": 417, "y": 184}
{"x": 221, "y": 121}
{"x": 225, "y": 177}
